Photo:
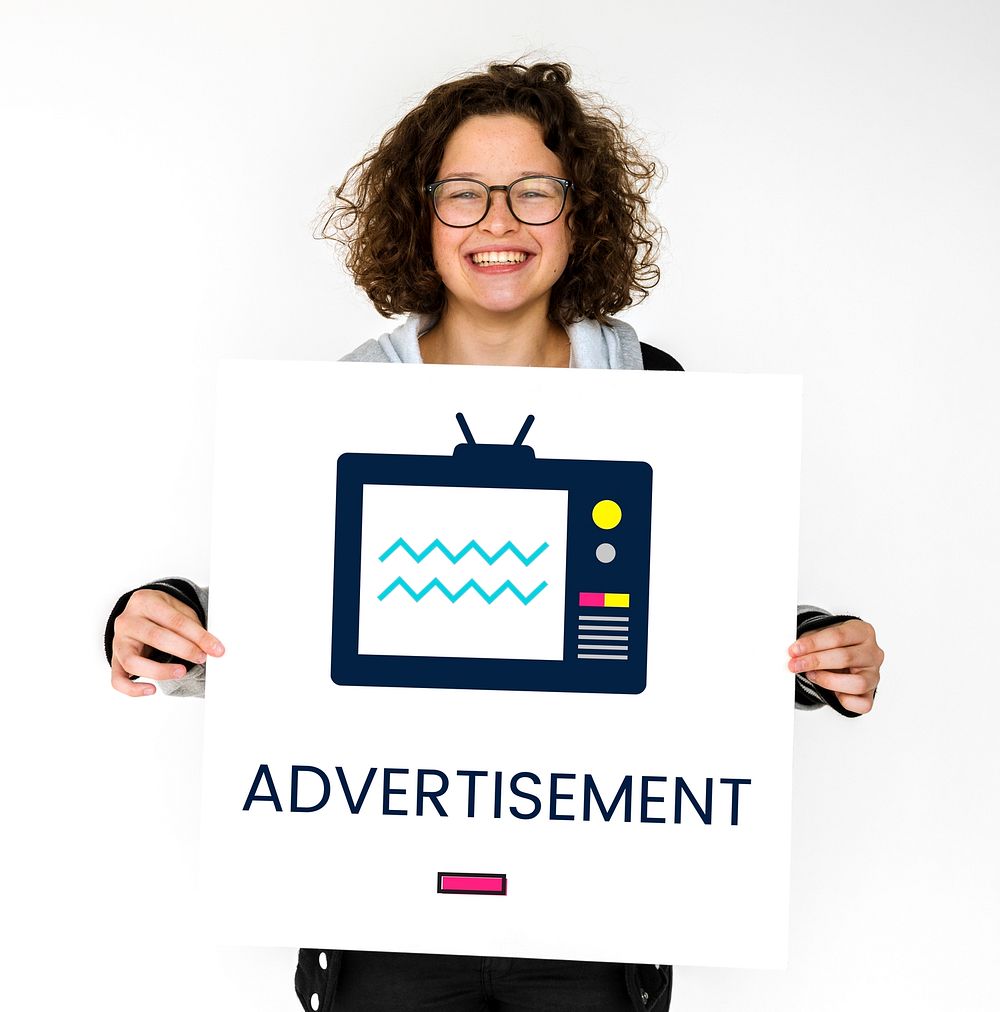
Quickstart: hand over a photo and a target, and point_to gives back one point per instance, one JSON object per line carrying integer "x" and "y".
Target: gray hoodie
{"x": 593, "y": 345}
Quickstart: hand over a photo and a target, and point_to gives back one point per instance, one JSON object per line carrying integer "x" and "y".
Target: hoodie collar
{"x": 593, "y": 345}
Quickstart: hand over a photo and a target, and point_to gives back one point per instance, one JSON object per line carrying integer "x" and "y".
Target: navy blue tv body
{"x": 479, "y": 465}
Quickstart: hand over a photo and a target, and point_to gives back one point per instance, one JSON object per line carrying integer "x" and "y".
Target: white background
{"x": 832, "y": 211}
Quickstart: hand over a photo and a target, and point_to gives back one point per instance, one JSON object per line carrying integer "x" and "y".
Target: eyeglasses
{"x": 532, "y": 200}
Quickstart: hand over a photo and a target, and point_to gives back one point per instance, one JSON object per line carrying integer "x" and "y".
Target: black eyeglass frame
{"x": 431, "y": 187}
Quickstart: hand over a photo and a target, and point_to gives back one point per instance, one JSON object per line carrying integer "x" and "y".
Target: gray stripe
{"x": 602, "y": 646}
{"x": 585, "y": 637}
{"x": 808, "y": 687}
{"x": 603, "y": 618}
{"x": 601, "y": 628}
{"x": 601, "y": 657}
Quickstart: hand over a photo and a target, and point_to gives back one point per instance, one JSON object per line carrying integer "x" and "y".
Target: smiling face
{"x": 497, "y": 150}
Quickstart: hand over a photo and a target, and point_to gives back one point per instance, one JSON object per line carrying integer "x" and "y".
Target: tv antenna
{"x": 467, "y": 432}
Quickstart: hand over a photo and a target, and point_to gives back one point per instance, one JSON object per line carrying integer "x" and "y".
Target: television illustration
{"x": 490, "y": 568}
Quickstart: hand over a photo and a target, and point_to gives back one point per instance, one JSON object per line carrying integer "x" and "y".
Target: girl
{"x": 507, "y": 216}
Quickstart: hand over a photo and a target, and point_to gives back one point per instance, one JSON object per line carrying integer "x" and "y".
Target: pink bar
{"x": 468, "y": 883}
{"x": 591, "y": 600}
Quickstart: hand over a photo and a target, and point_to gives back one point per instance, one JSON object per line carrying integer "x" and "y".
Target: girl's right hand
{"x": 154, "y": 620}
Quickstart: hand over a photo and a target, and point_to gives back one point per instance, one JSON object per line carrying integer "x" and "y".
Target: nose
{"x": 498, "y": 220}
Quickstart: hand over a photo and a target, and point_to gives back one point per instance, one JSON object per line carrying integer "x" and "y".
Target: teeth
{"x": 503, "y": 257}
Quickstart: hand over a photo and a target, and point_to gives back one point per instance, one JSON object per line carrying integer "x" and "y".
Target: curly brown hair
{"x": 380, "y": 214}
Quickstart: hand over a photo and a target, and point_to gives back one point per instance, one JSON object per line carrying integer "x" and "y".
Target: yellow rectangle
{"x": 616, "y": 600}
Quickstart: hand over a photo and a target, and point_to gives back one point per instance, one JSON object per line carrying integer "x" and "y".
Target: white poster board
{"x": 501, "y": 790}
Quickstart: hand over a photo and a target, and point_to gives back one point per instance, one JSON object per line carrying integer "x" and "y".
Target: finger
{"x": 130, "y": 659}
{"x": 843, "y": 634}
{"x": 122, "y": 683}
{"x": 861, "y": 656}
{"x": 856, "y": 704}
{"x": 171, "y": 614}
{"x": 854, "y": 683}
{"x": 148, "y": 632}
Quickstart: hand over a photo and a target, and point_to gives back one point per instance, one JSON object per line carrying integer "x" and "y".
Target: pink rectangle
{"x": 591, "y": 600}
{"x": 469, "y": 883}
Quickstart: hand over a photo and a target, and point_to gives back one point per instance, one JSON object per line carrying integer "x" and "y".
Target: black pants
{"x": 408, "y": 982}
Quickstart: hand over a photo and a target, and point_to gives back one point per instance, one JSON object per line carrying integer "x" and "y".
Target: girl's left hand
{"x": 843, "y": 658}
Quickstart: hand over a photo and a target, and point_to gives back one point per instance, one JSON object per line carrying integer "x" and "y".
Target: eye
{"x": 537, "y": 189}
{"x": 458, "y": 191}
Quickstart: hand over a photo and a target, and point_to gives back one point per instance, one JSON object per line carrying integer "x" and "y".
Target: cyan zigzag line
{"x": 490, "y": 559}
{"x": 471, "y": 585}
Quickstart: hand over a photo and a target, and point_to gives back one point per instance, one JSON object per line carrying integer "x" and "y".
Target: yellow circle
{"x": 607, "y": 514}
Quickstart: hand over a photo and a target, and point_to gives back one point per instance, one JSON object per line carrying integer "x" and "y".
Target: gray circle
{"x": 605, "y": 552}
